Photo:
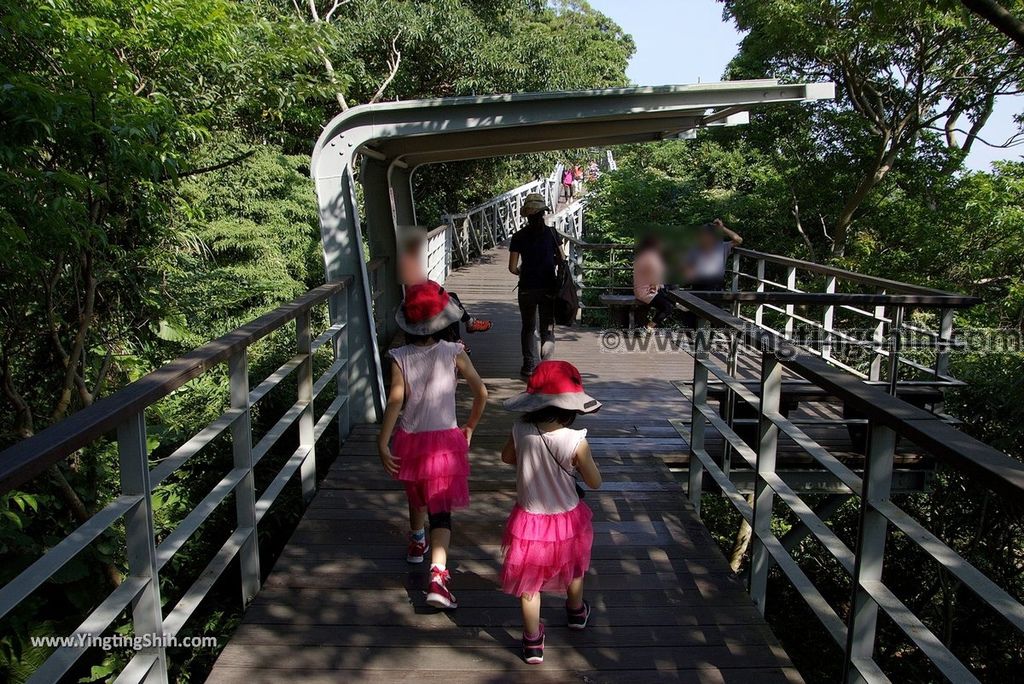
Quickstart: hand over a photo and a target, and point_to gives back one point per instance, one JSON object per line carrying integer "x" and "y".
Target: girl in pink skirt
{"x": 428, "y": 452}
{"x": 548, "y": 536}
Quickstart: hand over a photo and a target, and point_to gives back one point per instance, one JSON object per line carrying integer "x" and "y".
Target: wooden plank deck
{"x": 341, "y": 604}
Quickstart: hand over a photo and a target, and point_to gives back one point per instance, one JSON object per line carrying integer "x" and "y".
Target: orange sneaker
{"x": 475, "y": 325}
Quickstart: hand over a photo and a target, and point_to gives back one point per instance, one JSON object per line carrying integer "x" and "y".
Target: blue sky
{"x": 686, "y": 41}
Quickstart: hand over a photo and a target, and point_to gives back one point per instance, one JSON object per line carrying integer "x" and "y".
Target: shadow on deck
{"x": 341, "y": 604}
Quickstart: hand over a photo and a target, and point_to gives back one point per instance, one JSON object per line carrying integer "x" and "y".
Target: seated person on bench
{"x": 649, "y": 279}
{"x": 704, "y": 264}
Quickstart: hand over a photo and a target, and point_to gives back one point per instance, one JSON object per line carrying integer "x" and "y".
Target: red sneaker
{"x": 439, "y": 596}
{"x": 476, "y": 325}
{"x": 417, "y": 550}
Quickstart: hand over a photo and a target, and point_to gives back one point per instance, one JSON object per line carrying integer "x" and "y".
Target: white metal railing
{"x": 147, "y": 555}
{"x": 491, "y": 223}
{"x": 438, "y": 254}
{"x": 889, "y": 420}
{"x": 831, "y": 324}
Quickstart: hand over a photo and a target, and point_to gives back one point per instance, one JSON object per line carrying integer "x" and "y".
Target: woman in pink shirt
{"x": 549, "y": 534}
{"x": 649, "y": 280}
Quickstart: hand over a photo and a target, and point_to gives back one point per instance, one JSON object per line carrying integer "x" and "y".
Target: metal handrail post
{"x": 895, "y": 343}
{"x": 878, "y": 341}
{"x": 764, "y": 496}
{"x": 790, "y": 308}
{"x": 828, "y": 318}
{"x": 245, "y": 491}
{"x": 307, "y": 418}
{"x": 147, "y": 614}
{"x": 870, "y": 549}
{"x": 759, "y": 312}
{"x": 695, "y": 473}
{"x": 341, "y": 351}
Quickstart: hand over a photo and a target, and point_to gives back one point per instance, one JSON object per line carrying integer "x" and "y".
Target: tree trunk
{"x": 1000, "y": 17}
{"x": 740, "y": 543}
{"x": 864, "y": 188}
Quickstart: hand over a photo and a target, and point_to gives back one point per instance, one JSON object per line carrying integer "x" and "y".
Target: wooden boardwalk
{"x": 341, "y": 604}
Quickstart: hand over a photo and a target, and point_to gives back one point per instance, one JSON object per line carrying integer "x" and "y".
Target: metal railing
{"x": 818, "y": 306}
{"x": 124, "y": 412}
{"x": 889, "y": 419}
{"x": 378, "y": 275}
{"x": 439, "y": 254}
{"x": 491, "y": 223}
{"x": 888, "y": 320}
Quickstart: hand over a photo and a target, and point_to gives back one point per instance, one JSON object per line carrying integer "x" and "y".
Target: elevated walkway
{"x": 341, "y": 604}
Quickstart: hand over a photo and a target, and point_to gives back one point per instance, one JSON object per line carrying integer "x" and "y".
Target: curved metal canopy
{"x": 394, "y": 138}
{"x": 426, "y": 131}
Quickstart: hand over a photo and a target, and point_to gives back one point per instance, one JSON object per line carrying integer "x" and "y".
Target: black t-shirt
{"x": 537, "y": 254}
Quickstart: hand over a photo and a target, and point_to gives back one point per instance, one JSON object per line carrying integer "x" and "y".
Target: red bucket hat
{"x": 427, "y": 309}
{"x": 554, "y": 383}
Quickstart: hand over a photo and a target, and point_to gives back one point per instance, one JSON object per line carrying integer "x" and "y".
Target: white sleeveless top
{"x": 430, "y": 382}
{"x": 544, "y": 470}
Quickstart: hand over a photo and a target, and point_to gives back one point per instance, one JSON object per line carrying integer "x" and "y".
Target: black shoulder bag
{"x": 567, "y": 301}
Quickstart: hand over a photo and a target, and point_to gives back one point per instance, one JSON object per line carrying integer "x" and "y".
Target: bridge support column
{"x": 342, "y": 239}
{"x": 379, "y": 196}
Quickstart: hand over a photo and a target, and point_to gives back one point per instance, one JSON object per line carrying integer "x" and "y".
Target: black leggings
{"x": 453, "y": 333}
{"x": 440, "y": 521}
{"x": 663, "y": 307}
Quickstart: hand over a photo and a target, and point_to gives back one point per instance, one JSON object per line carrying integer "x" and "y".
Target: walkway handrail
{"x": 887, "y": 318}
{"x": 839, "y": 273}
{"x": 890, "y": 419}
{"x": 124, "y": 411}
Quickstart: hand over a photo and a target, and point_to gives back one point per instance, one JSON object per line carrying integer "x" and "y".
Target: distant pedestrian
{"x": 412, "y": 271}
{"x": 568, "y": 178}
{"x": 534, "y": 253}
{"x": 549, "y": 535}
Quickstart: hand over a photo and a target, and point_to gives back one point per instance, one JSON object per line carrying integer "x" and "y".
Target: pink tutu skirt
{"x": 545, "y": 552}
{"x": 434, "y": 466}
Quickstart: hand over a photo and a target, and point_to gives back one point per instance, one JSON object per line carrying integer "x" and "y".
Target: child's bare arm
{"x": 479, "y": 390}
{"x": 583, "y": 460}
{"x": 396, "y": 398}
{"x": 508, "y": 452}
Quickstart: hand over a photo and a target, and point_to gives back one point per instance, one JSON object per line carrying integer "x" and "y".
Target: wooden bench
{"x": 624, "y": 308}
